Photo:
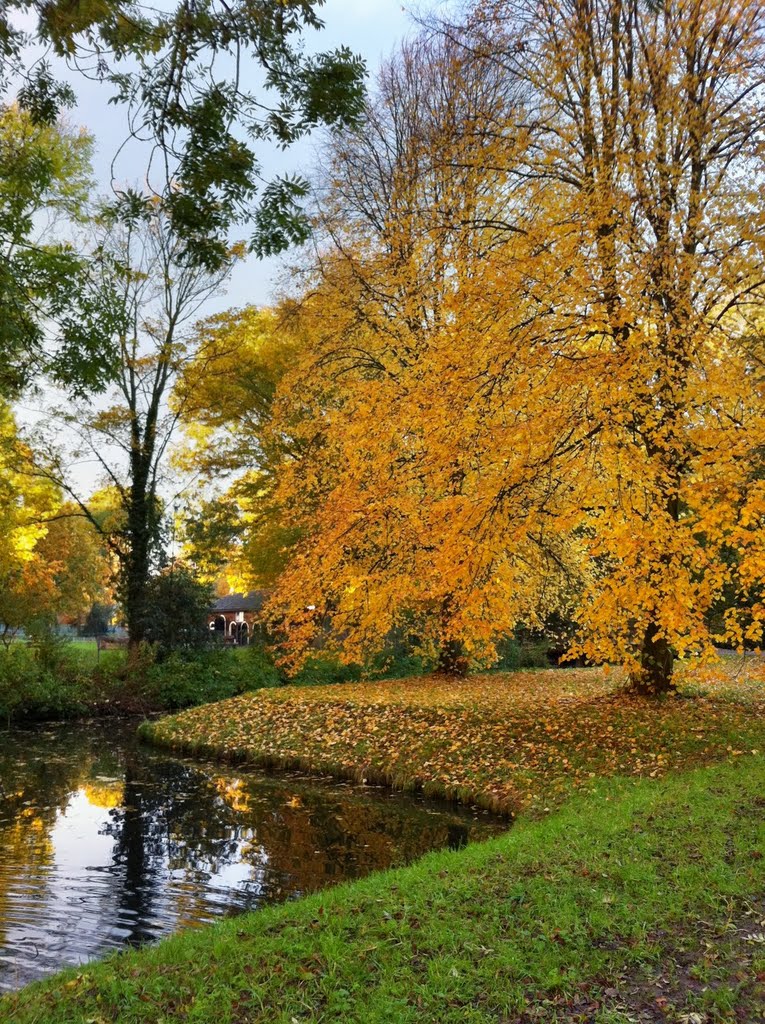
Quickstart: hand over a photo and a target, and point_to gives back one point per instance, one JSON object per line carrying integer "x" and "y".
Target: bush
{"x": 50, "y": 649}
{"x": 524, "y": 649}
{"x": 184, "y": 679}
{"x": 322, "y": 669}
{"x": 398, "y": 665}
{"x": 37, "y": 682}
{"x": 258, "y": 664}
{"x": 18, "y": 679}
{"x": 51, "y": 678}
{"x": 399, "y": 657}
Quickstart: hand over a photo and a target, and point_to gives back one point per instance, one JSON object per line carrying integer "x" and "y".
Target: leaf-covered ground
{"x": 510, "y": 741}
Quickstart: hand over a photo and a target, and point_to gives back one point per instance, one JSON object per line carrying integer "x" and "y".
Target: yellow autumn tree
{"x": 51, "y": 560}
{"x": 535, "y": 346}
{"x": 410, "y": 519}
{"x": 78, "y": 561}
{"x": 224, "y": 397}
{"x": 23, "y": 504}
{"x": 646, "y": 120}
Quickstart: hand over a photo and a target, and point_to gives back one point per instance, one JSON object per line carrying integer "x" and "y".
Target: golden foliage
{"x": 51, "y": 560}
{"x": 225, "y": 397}
{"x": 534, "y": 379}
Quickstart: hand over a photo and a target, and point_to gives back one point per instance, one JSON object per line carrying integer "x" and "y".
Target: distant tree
{"x": 27, "y": 587}
{"x": 98, "y": 620}
{"x": 225, "y": 396}
{"x": 160, "y": 295}
{"x": 176, "y": 609}
{"x": 52, "y": 560}
{"x": 142, "y": 261}
{"x": 78, "y": 560}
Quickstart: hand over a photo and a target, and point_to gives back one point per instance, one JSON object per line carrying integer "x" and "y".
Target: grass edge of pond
{"x": 554, "y": 911}
{"x": 370, "y": 775}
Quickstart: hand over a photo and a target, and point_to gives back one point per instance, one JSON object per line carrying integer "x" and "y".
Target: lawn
{"x": 640, "y": 900}
{"x": 510, "y": 742}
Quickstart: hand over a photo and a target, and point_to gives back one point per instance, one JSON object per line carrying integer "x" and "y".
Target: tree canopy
{"x": 51, "y": 560}
{"x": 534, "y": 377}
{"x": 225, "y": 397}
{"x": 49, "y": 322}
{"x": 203, "y": 85}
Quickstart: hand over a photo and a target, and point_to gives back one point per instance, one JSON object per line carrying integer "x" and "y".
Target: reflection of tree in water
{"x": 39, "y": 771}
{"x": 296, "y": 838}
{"x": 320, "y": 837}
{"x": 172, "y": 820}
{"x": 182, "y": 827}
{"x": 25, "y": 852}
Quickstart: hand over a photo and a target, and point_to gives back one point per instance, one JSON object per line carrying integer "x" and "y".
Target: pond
{"x": 105, "y": 842}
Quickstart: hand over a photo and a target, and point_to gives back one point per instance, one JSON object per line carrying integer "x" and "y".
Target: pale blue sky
{"x": 371, "y": 28}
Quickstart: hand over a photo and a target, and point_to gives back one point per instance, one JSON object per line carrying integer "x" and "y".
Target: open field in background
{"x": 507, "y": 741}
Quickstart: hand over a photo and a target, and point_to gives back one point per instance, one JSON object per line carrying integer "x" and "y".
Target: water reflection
{"x": 105, "y": 843}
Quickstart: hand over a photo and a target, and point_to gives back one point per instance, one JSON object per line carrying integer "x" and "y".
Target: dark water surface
{"x": 106, "y": 843}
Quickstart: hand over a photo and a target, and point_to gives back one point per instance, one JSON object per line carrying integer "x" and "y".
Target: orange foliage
{"x": 535, "y": 377}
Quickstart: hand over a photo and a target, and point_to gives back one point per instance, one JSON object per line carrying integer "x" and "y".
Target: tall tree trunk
{"x": 136, "y": 579}
{"x": 140, "y": 536}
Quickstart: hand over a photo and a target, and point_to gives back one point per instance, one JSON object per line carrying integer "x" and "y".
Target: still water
{"x": 105, "y": 842}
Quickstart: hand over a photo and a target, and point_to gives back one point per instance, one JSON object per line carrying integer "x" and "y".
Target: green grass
{"x": 642, "y": 899}
{"x": 646, "y": 895}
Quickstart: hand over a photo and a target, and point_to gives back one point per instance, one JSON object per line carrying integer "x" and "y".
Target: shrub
{"x": 36, "y": 682}
{"x": 257, "y": 666}
{"x": 184, "y": 679}
{"x": 321, "y": 669}
{"x": 524, "y": 649}
{"x": 18, "y": 678}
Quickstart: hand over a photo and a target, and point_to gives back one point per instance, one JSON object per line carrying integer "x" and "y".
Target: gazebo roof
{"x": 250, "y": 602}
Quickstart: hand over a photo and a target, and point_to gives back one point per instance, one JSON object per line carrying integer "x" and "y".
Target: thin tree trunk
{"x": 136, "y": 572}
{"x": 140, "y": 535}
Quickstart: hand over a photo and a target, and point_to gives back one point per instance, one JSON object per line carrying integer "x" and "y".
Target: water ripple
{"x": 105, "y": 844}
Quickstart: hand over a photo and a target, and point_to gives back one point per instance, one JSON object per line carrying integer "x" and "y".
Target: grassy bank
{"x": 641, "y": 902}
{"x": 509, "y": 741}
